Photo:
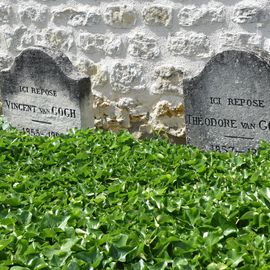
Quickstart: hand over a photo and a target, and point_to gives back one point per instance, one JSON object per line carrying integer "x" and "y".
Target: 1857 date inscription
{"x": 226, "y": 148}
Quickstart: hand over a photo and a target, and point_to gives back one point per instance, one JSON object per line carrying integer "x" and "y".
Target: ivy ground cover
{"x": 96, "y": 200}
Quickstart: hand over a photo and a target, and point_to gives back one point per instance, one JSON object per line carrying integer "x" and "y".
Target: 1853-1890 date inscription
{"x": 38, "y": 132}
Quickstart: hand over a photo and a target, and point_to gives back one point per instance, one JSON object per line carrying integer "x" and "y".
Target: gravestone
{"x": 227, "y": 106}
{"x": 42, "y": 94}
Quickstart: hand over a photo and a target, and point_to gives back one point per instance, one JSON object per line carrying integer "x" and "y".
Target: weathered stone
{"x": 126, "y": 103}
{"x": 206, "y": 14}
{"x": 108, "y": 44}
{"x": 27, "y": 39}
{"x": 59, "y": 39}
{"x": 13, "y": 37}
{"x": 102, "y": 108}
{"x": 240, "y": 41}
{"x": 215, "y": 13}
{"x": 100, "y": 75}
{"x": 168, "y": 118}
{"x": 3, "y": 44}
{"x": 189, "y": 15}
{"x": 92, "y": 18}
{"x": 43, "y": 95}
{"x": 66, "y": 15}
{"x": 227, "y": 104}
{"x": 266, "y": 45}
{"x": 37, "y": 14}
{"x": 120, "y": 16}
{"x": 113, "y": 46}
{"x": 75, "y": 17}
{"x": 138, "y": 117}
{"x": 97, "y": 73}
{"x": 157, "y": 15}
{"x": 167, "y": 79}
{"x": 108, "y": 115}
{"x": 144, "y": 47}
{"x": 189, "y": 43}
{"x": 5, "y": 13}
{"x": 5, "y": 61}
{"x": 92, "y": 42}
{"x": 127, "y": 77}
{"x": 249, "y": 12}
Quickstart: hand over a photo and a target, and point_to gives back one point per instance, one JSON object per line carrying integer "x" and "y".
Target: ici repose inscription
{"x": 228, "y": 104}
{"x": 43, "y": 95}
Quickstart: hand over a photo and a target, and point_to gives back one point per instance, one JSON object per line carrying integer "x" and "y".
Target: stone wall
{"x": 136, "y": 52}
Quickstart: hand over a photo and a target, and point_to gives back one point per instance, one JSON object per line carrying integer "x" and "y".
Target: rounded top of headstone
{"x": 233, "y": 56}
{"x": 47, "y": 56}
{"x": 229, "y": 55}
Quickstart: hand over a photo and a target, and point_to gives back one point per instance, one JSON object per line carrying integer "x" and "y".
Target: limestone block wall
{"x": 136, "y": 52}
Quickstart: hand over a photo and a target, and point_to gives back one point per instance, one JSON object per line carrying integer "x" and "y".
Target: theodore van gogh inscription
{"x": 210, "y": 121}
{"x": 225, "y": 123}
{"x": 228, "y": 104}
{"x": 43, "y": 95}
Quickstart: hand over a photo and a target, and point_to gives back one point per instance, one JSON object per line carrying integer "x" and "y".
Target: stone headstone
{"x": 227, "y": 105}
{"x": 42, "y": 93}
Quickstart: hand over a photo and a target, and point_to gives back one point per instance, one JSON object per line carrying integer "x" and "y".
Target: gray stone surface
{"x": 227, "y": 105}
{"x": 42, "y": 93}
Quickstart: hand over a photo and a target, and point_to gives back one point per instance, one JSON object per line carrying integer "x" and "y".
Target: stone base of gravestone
{"x": 42, "y": 93}
{"x": 228, "y": 104}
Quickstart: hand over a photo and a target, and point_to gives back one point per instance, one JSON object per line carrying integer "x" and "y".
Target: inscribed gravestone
{"x": 228, "y": 104}
{"x": 43, "y": 95}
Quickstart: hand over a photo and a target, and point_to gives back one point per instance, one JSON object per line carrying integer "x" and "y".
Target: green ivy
{"x": 96, "y": 200}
